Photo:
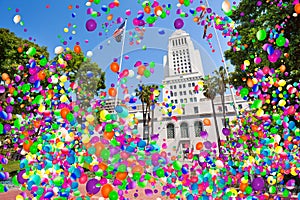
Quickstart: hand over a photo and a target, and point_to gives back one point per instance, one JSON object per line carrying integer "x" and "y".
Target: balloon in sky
{"x": 178, "y": 23}
{"x": 90, "y": 25}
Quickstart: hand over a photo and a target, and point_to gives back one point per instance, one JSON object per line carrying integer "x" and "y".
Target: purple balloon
{"x": 226, "y": 131}
{"x": 258, "y": 184}
{"x": 207, "y": 145}
{"x": 91, "y": 187}
{"x": 178, "y": 23}
{"x": 203, "y": 134}
{"x": 2, "y": 89}
{"x": 90, "y": 25}
{"x": 20, "y": 178}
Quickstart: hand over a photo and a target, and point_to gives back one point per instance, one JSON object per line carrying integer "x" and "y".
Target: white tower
{"x": 182, "y": 69}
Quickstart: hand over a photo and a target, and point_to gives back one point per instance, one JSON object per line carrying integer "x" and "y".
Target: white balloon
{"x": 58, "y": 50}
{"x": 89, "y": 54}
{"x": 138, "y": 77}
{"x": 130, "y": 73}
{"x": 17, "y": 19}
{"x": 88, "y": 3}
{"x": 226, "y": 6}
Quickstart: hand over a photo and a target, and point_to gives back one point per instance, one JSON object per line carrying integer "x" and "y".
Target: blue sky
{"x": 45, "y": 22}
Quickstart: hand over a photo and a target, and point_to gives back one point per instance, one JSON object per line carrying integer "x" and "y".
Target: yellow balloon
{"x": 281, "y": 83}
{"x": 63, "y": 98}
{"x": 282, "y": 102}
{"x": 63, "y": 78}
{"x": 278, "y": 149}
{"x": 19, "y": 197}
{"x": 41, "y": 108}
{"x": 247, "y": 62}
{"x": 66, "y": 30}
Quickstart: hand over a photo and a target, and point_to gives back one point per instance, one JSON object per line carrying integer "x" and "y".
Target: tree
{"x": 278, "y": 22}
{"x": 210, "y": 88}
{"x": 222, "y": 81}
{"x": 15, "y": 52}
{"x": 146, "y": 95}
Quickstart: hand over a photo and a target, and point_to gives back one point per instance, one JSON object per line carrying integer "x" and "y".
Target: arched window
{"x": 170, "y": 131}
{"x": 184, "y": 129}
{"x": 198, "y": 125}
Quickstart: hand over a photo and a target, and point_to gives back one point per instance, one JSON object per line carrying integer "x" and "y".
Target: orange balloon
{"x": 5, "y": 76}
{"x": 243, "y": 186}
{"x": 108, "y": 135}
{"x": 20, "y": 49}
{"x": 27, "y": 145}
{"x": 156, "y": 9}
{"x": 199, "y": 145}
{"x": 102, "y": 166}
{"x": 138, "y": 168}
{"x": 64, "y": 112}
{"x": 206, "y": 122}
{"x": 42, "y": 75}
{"x": 77, "y": 49}
{"x": 250, "y": 82}
{"x": 282, "y": 68}
{"x": 196, "y": 19}
{"x": 141, "y": 70}
{"x": 121, "y": 175}
{"x": 114, "y": 66}
{"x": 297, "y": 8}
{"x": 99, "y": 147}
{"x": 7, "y": 81}
{"x": 112, "y": 92}
{"x": 106, "y": 189}
{"x": 147, "y": 9}
{"x": 181, "y": 1}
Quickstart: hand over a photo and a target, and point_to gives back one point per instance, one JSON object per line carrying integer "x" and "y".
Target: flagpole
{"x": 226, "y": 71}
{"x": 121, "y": 60}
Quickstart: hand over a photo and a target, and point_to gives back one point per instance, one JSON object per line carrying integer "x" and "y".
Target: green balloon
{"x": 261, "y": 35}
{"x": 33, "y": 149}
{"x": 186, "y": 3}
{"x": 152, "y": 64}
{"x": 31, "y": 51}
{"x": 257, "y": 103}
{"x": 108, "y": 127}
{"x": 285, "y": 193}
{"x": 163, "y": 14}
{"x": 96, "y": 1}
{"x": 244, "y": 92}
{"x": 136, "y": 176}
{"x": 122, "y": 168}
{"x": 160, "y": 173}
{"x": 43, "y": 62}
{"x": 113, "y": 195}
{"x": 248, "y": 190}
{"x": 280, "y": 41}
{"x": 15, "y": 181}
{"x": 70, "y": 116}
{"x": 26, "y": 88}
{"x": 105, "y": 154}
{"x": 58, "y": 181}
{"x": 147, "y": 73}
{"x": 150, "y": 20}
{"x": 177, "y": 165}
{"x": 1, "y": 128}
{"x": 229, "y": 13}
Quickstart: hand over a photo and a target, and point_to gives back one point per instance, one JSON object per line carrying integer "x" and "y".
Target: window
{"x": 191, "y": 100}
{"x": 189, "y": 84}
{"x": 195, "y": 99}
{"x": 196, "y": 110}
{"x": 240, "y": 106}
{"x": 175, "y": 94}
{"x": 190, "y": 92}
{"x": 185, "y": 100}
{"x": 174, "y": 87}
{"x": 146, "y": 135}
{"x": 198, "y": 125}
{"x": 171, "y": 87}
{"x": 180, "y": 93}
{"x": 183, "y": 85}
{"x": 184, "y": 92}
{"x": 181, "y": 100}
{"x": 226, "y": 109}
{"x": 183, "y": 111}
{"x": 171, "y": 93}
{"x": 176, "y": 101}
{"x": 220, "y": 108}
{"x": 172, "y": 101}
{"x": 170, "y": 131}
{"x": 193, "y": 84}
{"x": 225, "y": 124}
{"x": 180, "y": 86}
{"x": 184, "y": 129}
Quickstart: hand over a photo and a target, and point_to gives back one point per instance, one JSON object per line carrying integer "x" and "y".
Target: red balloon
{"x": 77, "y": 49}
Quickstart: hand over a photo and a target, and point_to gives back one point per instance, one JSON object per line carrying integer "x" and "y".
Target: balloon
{"x": 90, "y": 25}
{"x": 147, "y": 73}
{"x": 178, "y": 23}
{"x": 280, "y": 41}
{"x": 121, "y": 175}
{"x": 58, "y": 50}
{"x": 226, "y": 6}
{"x": 105, "y": 154}
{"x": 141, "y": 70}
{"x": 113, "y": 195}
{"x": 114, "y": 66}
{"x": 199, "y": 145}
{"x": 64, "y": 112}
{"x": 77, "y": 49}
{"x": 270, "y": 50}
{"x": 261, "y": 35}
{"x": 91, "y": 187}
{"x": 138, "y": 168}
{"x": 112, "y": 92}
{"x": 5, "y": 76}
{"x": 244, "y": 92}
{"x": 297, "y": 8}
{"x": 26, "y": 145}
{"x": 106, "y": 189}
{"x": 206, "y": 122}
{"x": 226, "y": 131}
{"x": 89, "y": 54}
{"x": 17, "y": 19}
{"x": 258, "y": 184}
{"x": 108, "y": 135}
{"x": 272, "y": 58}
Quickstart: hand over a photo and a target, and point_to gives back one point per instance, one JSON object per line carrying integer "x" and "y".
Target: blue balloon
{"x": 119, "y": 109}
{"x": 270, "y": 50}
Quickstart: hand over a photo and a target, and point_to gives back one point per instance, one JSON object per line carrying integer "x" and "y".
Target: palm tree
{"x": 210, "y": 91}
{"x": 222, "y": 82}
{"x": 145, "y": 92}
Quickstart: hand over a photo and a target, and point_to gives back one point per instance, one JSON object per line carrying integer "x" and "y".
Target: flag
{"x": 119, "y": 32}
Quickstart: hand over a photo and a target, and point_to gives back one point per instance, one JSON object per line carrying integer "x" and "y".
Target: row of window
{"x": 184, "y": 130}
{"x": 192, "y": 100}
{"x": 182, "y": 86}
{"x": 195, "y": 78}
{"x": 180, "y": 41}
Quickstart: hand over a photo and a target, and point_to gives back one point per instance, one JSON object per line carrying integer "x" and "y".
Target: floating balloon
{"x": 261, "y": 35}
{"x": 90, "y": 25}
{"x": 178, "y": 23}
{"x": 106, "y": 189}
{"x": 114, "y": 66}
{"x": 17, "y": 19}
{"x": 206, "y": 122}
{"x": 91, "y": 186}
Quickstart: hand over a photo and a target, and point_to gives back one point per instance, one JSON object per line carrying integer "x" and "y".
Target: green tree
{"x": 222, "y": 81}
{"x": 145, "y": 94}
{"x": 276, "y": 21}
{"x": 210, "y": 89}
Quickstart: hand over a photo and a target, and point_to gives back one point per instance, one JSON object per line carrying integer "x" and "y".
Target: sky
{"x": 53, "y": 23}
